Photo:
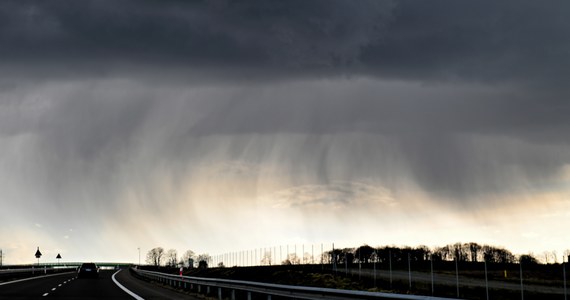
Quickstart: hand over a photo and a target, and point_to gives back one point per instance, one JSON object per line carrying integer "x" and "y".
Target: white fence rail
{"x": 28, "y": 272}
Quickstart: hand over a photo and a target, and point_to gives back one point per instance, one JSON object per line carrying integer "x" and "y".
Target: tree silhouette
{"x": 528, "y": 259}
{"x": 364, "y": 253}
{"x": 154, "y": 256}
{"x": 186, "y": 257}
{"x": 203, "y": 260}
{"x": 171, "y": 258}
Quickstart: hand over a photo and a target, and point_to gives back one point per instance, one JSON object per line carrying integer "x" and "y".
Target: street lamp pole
{"x": 139, "y": 248}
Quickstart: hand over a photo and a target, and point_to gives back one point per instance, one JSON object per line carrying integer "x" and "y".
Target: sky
{"x": 222, "y": 126}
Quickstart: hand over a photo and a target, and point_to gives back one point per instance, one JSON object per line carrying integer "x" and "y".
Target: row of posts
{"x": 265, "y": 255}
{"x": 179, "y": 283}
{"x": 457, "y": 276}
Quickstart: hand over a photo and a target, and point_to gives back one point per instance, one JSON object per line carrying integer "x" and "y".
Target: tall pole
{"x": 390, "y": 261}
{"x": 312, "y": 254}
{"x": 486, "y": 280}
{"x": 333, "y": 258}
{"x": 522, "y": 286}
{"x": 457, "y": 275}
{"x": 431, "y": 267}
{"x": 409, "y": 271}
{"x": 564, "y": 276}
{"x": 322, "y": 258}
{"x": 375, "y": 258}
{"x": 139, "y": 248}
{"x": 359, "y": 265}
{"x": 345, "y": 264}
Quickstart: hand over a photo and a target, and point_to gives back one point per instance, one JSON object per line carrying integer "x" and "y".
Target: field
{"x": 504, "y": 280}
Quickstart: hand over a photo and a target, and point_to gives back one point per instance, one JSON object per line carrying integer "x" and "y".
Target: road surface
{"x": 68, "y": 286}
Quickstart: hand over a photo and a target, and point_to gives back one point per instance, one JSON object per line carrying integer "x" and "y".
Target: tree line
{"x": 462, "y": 252}
{"x": 159, "y": 257}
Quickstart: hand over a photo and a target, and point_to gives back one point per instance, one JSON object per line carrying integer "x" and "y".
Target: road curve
{"x": 68, "y": 286}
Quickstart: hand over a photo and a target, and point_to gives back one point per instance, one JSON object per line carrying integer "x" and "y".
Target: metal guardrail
{"x": 229, "y": 287}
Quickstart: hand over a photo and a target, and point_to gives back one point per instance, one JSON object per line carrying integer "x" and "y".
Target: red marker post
{"x": 181, "y": 269}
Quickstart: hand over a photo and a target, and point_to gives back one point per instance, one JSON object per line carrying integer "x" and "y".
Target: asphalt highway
{"x": 68, "y": 286}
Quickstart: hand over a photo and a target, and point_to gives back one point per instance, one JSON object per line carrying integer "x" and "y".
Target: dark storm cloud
{"x": 459, "y": 141}
{"x": 481, "y": 40}
{"x": 454, "y": 141}
{"x": 491, "y": 69}
{"x": 211, "y": 34}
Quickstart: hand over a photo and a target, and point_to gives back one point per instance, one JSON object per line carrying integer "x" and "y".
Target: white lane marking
{"x": 45, "y": 294}
{"x": 53, "y": 289}
{"x": 124, "y": 288}
{"x": 59, "y": 285}
{"x": 32, "y": 278}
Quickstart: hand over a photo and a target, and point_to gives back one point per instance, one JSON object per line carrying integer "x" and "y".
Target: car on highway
{"x": 88, "y": 270}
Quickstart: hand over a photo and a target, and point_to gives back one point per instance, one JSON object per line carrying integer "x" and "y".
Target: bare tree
{"x": 171, "y": 258}
{"x": 528, "y": 259}
{"x": 291, "y": 259}
{"x": 154, "y": 256}
{"x": 364, "y": 253}
{"x": 474, "y": 250}
{"x": 307, "y": 258}
{"x": 203, "y": 260}
{"x": 186, "y": 257}
{"x": 266, "y": 259}
{"x": 443, "y": 253}
{"x": 566, "y": 254}
{"x": 546, "y": 255}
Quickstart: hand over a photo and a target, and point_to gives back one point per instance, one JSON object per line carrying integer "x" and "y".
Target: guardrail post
{"x": 268, "y": 297}
{"x": 199, "y": 289}
{"x": 233, "y": 295}
{"x": 207, "y": 290}
{"x": 248, "y": 295}
{"x": 219, "y": 293}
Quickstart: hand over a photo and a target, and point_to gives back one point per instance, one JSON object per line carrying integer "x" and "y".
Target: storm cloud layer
{"x": 484, "y": 41}
{"x": 231, "y": 110}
